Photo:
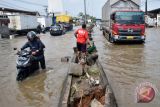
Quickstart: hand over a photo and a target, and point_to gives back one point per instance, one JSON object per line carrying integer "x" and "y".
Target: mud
{"x": 87, "y": 87}
{"x": 85, "y": 100}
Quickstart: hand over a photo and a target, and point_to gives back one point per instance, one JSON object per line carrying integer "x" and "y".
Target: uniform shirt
{"x": 81, "y": 35}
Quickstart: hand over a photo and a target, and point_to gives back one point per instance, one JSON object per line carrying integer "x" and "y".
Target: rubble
{"x": 86, "y": 88}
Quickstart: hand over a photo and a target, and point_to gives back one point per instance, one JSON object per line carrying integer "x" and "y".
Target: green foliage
{"x": 81, "y": 15}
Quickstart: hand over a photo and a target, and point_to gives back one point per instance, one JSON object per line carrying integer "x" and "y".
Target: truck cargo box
{"x": 46, "y": 21}
{"x": 63, "y": 18}
{"x": 116, "y": 5}
{"x": 22, "y": 22}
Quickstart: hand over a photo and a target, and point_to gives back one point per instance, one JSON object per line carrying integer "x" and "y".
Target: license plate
{"x": 130, "y": 37}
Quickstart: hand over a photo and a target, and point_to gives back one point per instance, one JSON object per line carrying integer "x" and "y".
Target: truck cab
{"x": 127, "y": 26}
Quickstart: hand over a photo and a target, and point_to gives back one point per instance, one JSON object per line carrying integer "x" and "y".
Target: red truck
{"x": 122, "y": 20}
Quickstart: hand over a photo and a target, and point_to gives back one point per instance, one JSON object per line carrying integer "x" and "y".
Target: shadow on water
{"x": 129, "y": 43}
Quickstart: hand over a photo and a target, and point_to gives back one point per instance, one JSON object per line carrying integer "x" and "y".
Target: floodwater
{"x": 44, "y": 87}
{"x": 126, "y": 66}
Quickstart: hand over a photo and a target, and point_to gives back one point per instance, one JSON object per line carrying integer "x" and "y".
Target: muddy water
{"x": 44, "y": 87}
{"x": 126, "y": 66}
{"x": 129, "y": 65}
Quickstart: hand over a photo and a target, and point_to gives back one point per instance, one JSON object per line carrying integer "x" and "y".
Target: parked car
{"x": 56, "y": 30}
{"x": 68, "y": 26}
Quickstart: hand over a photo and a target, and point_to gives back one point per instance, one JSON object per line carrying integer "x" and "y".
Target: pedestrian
{"x": 37, "y": 48}
{"x": 39, "y": 29}
{"x": 82, "y": 40}
{"x": 43, "y": 29}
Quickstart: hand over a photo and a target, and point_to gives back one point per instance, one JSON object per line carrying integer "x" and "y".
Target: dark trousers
{"x": 42, "y": 62}
{"x": 81, "y": 47}
{"x": 40, "y": 59}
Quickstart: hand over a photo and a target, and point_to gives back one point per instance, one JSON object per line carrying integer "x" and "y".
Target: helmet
{"x": 31, "y": 36}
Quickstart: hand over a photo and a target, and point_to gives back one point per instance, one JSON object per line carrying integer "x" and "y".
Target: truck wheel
{"x": 103, "y": 33}
{"x": 111, "y": 40}
{"x": 142, "y": 42}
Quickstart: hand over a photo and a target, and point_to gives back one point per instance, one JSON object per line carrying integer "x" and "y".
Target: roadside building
{"x": 9, "y": 11}
{"x": 17, "y": 21}
{"x": 155, "y": 14}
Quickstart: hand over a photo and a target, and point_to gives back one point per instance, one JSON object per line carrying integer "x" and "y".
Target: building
{"x": 9, "y": 11}
{"x": 55, "y": 6}
{"x": 155, "y": 14}
{"x": 9, "y": 20}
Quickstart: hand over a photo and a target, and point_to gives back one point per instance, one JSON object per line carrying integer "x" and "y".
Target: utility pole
{"x": 46, "y": 10}
{"x": 85, "y": 20}
{"x": 146, "y": 7}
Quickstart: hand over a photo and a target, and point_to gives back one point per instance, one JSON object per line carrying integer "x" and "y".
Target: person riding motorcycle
{"x": 37, "y": 48}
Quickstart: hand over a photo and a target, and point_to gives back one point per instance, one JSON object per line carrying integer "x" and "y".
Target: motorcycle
{"x": 26, "y": 64}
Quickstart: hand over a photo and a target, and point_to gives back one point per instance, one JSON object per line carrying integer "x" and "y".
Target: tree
{"x": 80, "y": 14}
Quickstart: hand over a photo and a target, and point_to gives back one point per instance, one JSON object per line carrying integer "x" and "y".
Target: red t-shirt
{"x": 82, "y": 36}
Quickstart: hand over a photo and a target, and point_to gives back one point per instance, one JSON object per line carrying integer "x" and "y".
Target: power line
{"x": 85, "y": 11}
{"x": 5, "y": 5}
{"x": 15, "y": 6}
{"x": 150, "y": 1}
{"x": 27, "y": 2}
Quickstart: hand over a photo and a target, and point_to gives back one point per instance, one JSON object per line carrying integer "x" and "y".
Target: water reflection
{"x": 129, "y": 65}
{"x": 34, "y": 90}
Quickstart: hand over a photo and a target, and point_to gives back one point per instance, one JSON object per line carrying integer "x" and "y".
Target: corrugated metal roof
{"x": 155, "y": 11}
{"x": 19, "y": 11}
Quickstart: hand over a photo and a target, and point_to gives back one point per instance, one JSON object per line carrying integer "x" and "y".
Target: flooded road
{"x": 126, "y": 66}
{"x": 42, "y": 89}
{"x": 129, "y": 65}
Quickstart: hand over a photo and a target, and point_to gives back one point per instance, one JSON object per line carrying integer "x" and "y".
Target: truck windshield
{"x": 129, "y": 17}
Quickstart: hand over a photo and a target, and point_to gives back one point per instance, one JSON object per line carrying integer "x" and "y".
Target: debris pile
{"x": 87, "y": 89}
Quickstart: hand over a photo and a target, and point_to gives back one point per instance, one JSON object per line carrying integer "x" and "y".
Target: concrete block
{"x": 76, "y": 69}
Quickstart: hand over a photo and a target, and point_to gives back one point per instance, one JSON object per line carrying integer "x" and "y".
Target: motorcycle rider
{"x": 37, "y": 48}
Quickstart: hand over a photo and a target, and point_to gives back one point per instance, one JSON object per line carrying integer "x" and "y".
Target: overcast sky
{"x": 72, "y": 6}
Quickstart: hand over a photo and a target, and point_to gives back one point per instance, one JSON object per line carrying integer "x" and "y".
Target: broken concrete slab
{"x": 76, "y": 70}
{"x": 96, "y": 103}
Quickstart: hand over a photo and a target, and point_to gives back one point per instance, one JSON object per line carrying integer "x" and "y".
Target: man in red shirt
{"x": 82, "y": 38}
